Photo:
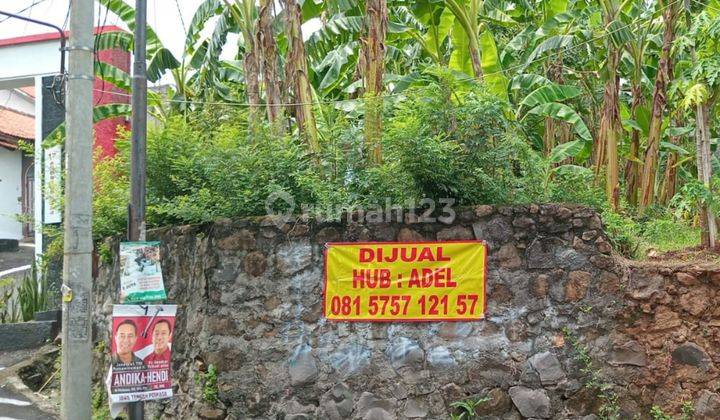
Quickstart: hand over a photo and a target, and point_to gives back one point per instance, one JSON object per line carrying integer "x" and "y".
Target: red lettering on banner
{"x": 428, "y": 277}
{"x": 366, "y": 255}
{"x": 405, "y": 254}
{"x": 371, "y": 278}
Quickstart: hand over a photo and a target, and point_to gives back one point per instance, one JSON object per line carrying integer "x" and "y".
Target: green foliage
{"x": 609, "y": 408}
{"x": 99, "y": 403}
{"x": 32, "y": 294}
{"x": 111, "y": 195}
{"x": 564, "y": 187}
{"x": 9, "y": 309}
{"x": 665, "y": 234}
{"x": 466, "y": 409}
{"x": 692, "y": 194}
{"x": 459, "y": 145}
{"x": 623, "y": 233}
{"x": 210, "y": 390}
{"x": 440, "y": 142}
{"x": 656, "y": 413}
{"x": 687, "y": 410}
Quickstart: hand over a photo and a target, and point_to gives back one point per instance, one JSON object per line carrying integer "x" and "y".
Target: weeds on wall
{"x": 9, "y": 308}
{"x": 208, "y": 382}
{"x": 609, "y": 406}
{"x": 210, "y": 390}
{"x": 467, "y": 409}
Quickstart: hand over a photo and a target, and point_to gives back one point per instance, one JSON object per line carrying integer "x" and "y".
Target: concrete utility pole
{"x": 136, "y": 214}
{"x": 77, "y": 261}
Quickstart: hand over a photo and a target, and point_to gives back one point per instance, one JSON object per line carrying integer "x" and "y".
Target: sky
{"x": 162, "y": 15}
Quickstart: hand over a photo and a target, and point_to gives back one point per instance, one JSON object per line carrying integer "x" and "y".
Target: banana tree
{"x": 636, "y": 49}
{"x": 662, "y": 78}
{"x": 701, "y": 95}
{"x": 474, "y": 49}
{"x": 616, "y": 36}
{"x": 296, "y": 72}
{"x": 372, "y": 66}
{"x": 159, "y": 58}
{"x": 269, "y": 53}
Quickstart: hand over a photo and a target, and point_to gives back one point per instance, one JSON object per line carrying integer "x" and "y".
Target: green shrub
{"x": 575, "y": 184}
{"x": 623, "y": 232}
{"x": 32, "y": 293}
{"x": 436, "y": 145}
{"x": 667, "y": 234}
{"x": 210, "y": 390}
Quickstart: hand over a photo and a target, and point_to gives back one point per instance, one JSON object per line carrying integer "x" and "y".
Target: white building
{"x": 17, "y": 108}
{"x": 29, "y": 112}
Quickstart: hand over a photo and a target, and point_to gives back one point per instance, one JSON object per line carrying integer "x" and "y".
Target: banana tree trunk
{"x": 475, "y": 60}
{"x": 268, "y": 48}
{"x": 252, "y": 86}
{"x": 373, "y": 55}
{"x": 647, "y": 189}
{"x": 242, "y": 14}
{"x": 556, "y": 132}
{"x": 610, "y": 128}
{"x": 632, "y": 169}
{"x": 670, "y": 179}
{"x": 548, "y": 136}
{"x": 702, "y": 143}
{"x": 297, "y": 76}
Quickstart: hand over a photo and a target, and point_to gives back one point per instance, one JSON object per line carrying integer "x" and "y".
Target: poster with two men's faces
{"x": 142, "y": 338}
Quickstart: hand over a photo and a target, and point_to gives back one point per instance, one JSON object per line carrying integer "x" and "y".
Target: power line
{"x": 35, "y": 3}
{"x": 248, "y": 105}
{"x": 67, "y": 15}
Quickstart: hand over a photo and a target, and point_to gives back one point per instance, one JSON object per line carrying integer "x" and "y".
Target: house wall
{"x": 15, "y": 100}
{"x": 22, "y": 61}
{"x": 106, "y": 93}
{"x": 10, "y": 192}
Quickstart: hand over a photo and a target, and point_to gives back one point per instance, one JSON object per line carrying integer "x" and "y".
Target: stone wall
{"x": 569, "y": 326}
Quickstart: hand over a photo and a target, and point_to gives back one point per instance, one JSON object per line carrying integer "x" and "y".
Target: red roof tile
{"x": 16, "y": 125}
{"x": 28, "y": 90}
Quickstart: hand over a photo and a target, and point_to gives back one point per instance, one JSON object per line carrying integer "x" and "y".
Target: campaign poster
{"x": 141, "y": 346}
{"x": 141, "y": 276}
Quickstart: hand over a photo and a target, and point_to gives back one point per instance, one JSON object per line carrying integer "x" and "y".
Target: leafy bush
{"x": 667, "y": 234}
{"x": 19, "y": 303}
{"x": 442, "y": 144}
{"x": 575, "y": 184}
{"x": 436, "y": 145}
{"x": 32, "y": 293}
{"x": 623, "y": 232}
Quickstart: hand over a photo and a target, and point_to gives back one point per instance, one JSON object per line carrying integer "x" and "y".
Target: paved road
{"x": 23, "y": 256}
{"x": 16, "y": 407}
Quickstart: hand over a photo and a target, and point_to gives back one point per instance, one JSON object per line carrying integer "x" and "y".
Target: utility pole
{"x": 136, "y": 216}
{"x": 77, "y": 260}
{"x": 136, "y": 213}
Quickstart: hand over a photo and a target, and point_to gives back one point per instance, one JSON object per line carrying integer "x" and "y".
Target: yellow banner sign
{"x": 393, "y": 281}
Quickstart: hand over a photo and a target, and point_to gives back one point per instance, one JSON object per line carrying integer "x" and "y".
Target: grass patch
{"x": 670, "y": 235}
